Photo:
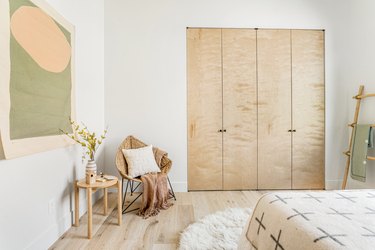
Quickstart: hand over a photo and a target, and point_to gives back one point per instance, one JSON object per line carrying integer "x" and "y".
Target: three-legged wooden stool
{"x": 90, "y": 188}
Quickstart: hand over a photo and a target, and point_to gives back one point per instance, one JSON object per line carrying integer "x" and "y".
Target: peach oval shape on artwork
{"x": 39, "y": 35}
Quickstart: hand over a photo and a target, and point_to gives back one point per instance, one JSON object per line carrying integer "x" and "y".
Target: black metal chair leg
{"x": 137, "y": 187}
{"x": 132, "y": 189}
{"x": 126, "y": 190}
{"x": 170, "y": 185}
{"x": 130, "y": 184}
{"x": 124, "y": 211}
{"x": 122, "y": 190}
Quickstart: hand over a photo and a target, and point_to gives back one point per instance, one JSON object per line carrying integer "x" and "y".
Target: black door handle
{"x": 220, "y": 131}
{"x": 224, "y": 130}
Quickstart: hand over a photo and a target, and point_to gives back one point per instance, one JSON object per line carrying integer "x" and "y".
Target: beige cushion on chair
{"x": 131, "y": 142}
{"x": 140, "y": 161}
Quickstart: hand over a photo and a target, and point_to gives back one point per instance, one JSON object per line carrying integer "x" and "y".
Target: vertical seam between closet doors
{"x": 324, "y": 93}
{"x": 291, "y": 108}
{"x": 257, "y": 101}
{"x": 222, "y": 110}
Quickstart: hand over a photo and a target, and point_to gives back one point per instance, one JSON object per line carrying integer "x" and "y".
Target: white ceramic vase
{"x": 91, "y": 172}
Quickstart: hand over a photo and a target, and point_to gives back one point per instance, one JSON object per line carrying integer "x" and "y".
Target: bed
{"x": 312, "y": 220}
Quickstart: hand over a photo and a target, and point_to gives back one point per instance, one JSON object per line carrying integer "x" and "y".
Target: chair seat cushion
{"x": 140, "y": 161}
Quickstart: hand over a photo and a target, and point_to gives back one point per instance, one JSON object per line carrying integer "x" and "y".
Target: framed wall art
{"x": 36, "y": 78}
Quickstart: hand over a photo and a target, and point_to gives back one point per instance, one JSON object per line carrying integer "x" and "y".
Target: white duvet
{"x": 312, "y": 220}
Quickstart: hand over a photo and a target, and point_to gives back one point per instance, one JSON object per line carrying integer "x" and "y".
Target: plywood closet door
{"x": 204, "y": 109}
{"x": 274, "y": 109}
{"x": 239, "y": 109}
{"x": 308, "y": 109}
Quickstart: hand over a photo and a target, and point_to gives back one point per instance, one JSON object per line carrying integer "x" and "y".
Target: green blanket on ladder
{"x": 362, "y": 141}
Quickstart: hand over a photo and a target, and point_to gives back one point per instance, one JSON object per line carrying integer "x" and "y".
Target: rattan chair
{"x": 132, "y": 143}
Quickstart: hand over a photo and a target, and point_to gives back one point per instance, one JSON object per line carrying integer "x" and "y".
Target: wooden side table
{"x": 90, "y": 188}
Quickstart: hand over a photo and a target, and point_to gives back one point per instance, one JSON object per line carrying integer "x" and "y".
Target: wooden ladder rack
{"x": 348, "y": 153}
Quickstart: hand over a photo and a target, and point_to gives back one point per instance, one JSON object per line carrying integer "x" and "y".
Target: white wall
{"x": 29, "y": 183}
{"x": 145, "y": 68}
{"x": 358, "y": 53}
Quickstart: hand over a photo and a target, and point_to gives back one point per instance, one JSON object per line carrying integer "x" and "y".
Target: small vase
{"x": 91, "y": 172}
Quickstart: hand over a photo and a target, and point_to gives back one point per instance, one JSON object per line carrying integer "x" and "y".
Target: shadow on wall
{"x": 67, "y": 193}
{"x": 78, "y": 172}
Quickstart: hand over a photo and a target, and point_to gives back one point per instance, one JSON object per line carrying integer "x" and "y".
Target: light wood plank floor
{"x": 159, "y": 232}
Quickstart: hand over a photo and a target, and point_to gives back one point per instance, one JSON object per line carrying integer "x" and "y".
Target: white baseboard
{"x": 182, "y": 186}
{"x": 49, "y": 236}
{"x": 53, "y": 233}
{"x": 179, "y": 186}
{"x": 333, "y": 184}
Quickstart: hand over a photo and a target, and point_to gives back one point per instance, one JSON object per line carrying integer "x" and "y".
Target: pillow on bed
{"x": 140, "y": 161}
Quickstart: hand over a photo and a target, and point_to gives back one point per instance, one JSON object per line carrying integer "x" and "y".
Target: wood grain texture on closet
{"x": 308, "y": 109}
{"x": 239, "y": 109}
{"x": 274, "y": 109}
{"x": 204, "y": 109}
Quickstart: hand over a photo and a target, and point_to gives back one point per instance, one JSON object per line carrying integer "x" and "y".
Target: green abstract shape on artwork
{"x": 40, "y": 100}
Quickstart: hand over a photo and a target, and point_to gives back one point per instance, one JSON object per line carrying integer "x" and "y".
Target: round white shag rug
{"x": 220, "y": 230}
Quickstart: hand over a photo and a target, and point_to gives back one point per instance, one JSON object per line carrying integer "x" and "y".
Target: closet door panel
{"x": 308, "y": 109}
{"x": 239, "y": 109}
{"x": 204, "y": 109}
{"x": 274, "y": 109}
